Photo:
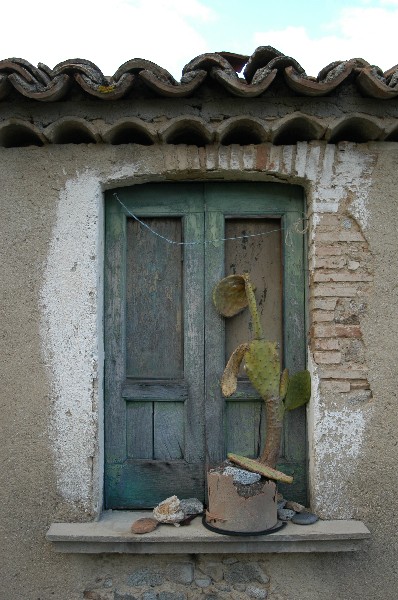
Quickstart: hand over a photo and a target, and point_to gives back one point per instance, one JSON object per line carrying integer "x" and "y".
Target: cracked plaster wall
{"x": 52, "y": 238}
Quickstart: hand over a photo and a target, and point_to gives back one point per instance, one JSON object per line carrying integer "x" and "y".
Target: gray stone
{"x": 124, "y": 596}
{"x": 281, "y": 504}
{"x": 256, "y": 592}
{"x": 239, "y": 587}
{"x": 203, "y": 581}
{"x": 149, "y": 596}
{"x": 304, "y": 518}
{"x": 172, "y": 596}
{"x": 242, "y": 476}
{"x": 298, "y": 508}
{"x": 108, "y": 583}
{"x": 245, "y": 572}
{"x": 191, "y": 506}
{"x": 180, "y": 572}
{"x": 211, "y": 597}
{"x": 230, "y": 560}
{"x": 223, "y": 587}
{"x": 285, "y": 514}
{"x": 213, "y": 569}
{"x": 98, "y": 595}
{"x": 145, "y": 576}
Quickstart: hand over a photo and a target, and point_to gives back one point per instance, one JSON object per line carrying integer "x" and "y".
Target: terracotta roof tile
{"x": 260, "y": 69}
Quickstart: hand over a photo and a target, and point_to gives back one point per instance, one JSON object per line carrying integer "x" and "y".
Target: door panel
{"x": 154, "y": 388}
{"x": 154, "y": 301}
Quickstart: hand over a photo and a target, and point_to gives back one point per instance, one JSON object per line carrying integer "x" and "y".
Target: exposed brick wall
{"x": 340, "y": 281}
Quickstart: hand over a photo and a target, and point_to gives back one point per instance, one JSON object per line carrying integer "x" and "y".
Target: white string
{"x": 197, "y": 242}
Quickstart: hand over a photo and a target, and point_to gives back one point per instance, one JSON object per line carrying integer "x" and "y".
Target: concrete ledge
{"x": 112, "y": 534}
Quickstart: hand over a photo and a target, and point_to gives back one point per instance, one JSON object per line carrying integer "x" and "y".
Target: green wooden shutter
{"x": 166, "y": 347}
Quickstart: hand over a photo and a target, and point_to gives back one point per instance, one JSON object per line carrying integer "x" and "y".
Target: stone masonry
{"x": 202, "y": 578}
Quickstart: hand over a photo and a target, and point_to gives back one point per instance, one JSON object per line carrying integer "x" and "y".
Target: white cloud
{"x": 366, "y": 32}
{"x": 107, "y": 32}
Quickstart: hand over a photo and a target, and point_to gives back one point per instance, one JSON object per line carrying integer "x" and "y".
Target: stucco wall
{"x": 51, "y": 239}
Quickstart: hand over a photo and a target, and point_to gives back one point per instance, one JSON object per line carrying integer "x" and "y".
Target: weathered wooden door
{"x": 166, "y": 346}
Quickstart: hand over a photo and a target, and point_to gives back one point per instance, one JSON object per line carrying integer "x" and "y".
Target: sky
{"x": 172, "y": 32}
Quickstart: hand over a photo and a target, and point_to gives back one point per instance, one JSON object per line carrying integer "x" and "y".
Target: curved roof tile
{"x": 259, "y": 71}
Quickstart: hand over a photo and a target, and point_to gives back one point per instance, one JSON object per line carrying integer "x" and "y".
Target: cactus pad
{"x": 263, "y": 368}
{"x": 298, "y": 391}
{"x": 229, "y": 295}
{"x": 256, "y": 467}
{"x": 229, "y": 379}
{"x": 284, "y": 384}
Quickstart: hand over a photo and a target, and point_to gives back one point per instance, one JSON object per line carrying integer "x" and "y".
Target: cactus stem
{"x": 258, "y": 330}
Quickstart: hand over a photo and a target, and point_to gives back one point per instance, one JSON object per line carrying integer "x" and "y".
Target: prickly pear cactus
{"x": 263, "y": 368}
{"x": 280, "y": 392}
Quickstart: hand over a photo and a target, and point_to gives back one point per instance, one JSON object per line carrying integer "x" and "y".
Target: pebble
{"x": 304, "y": 518}
{"x": 191, "y": 506}
{"x": 255, "y": 592}
{"x": 284, "y": 514}
{"x": 203, "y": 581}
{"x": 169, "y": 511}
{"x": 242, "y": 476}
{"x": 298, "y": 508}
{"x": 144, "y": 525}
{"x": 281, "y": 504}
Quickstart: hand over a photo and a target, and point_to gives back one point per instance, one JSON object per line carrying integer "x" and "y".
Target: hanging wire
{"x": 297, "y": 227}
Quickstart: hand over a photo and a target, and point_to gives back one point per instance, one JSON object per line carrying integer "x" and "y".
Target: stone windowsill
{"x": 111, "y": 533}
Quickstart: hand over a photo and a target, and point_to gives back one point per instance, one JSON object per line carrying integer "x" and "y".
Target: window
{"x": 166, "y": 346}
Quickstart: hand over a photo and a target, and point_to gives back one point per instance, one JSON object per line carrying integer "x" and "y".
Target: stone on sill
{"x": 191, "y": 506}
{"x": 144, "y": 525}
{"x": 298, "y": 508}
{"x": 304, "y": 518}
{"x": 284, "y": 514}
{"x": 242, "y": 476}
{"x": 169, "y": 511}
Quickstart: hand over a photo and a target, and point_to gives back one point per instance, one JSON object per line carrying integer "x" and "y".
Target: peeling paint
{"x": 70, "y": 298}
{"x": 337, "y": 436}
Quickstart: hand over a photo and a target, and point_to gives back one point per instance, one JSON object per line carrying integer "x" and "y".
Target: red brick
{"x": 323, "y": 331}
{"x": 325, "y": 344}
{"x": 348, "y": 331}
{"x": 328, "y": 250}
{"x": 342, "y": 276}
{"x": 262, "y": 157}
{"x": 330, "y": 263}
{"x": 329, "y": 219}
{"x": 339, "y": 236}
{"x": 329, "y": 358}
{"x": 340, "y": 373}
{"x": 321, "y": 316}
{"x": 338, "y": 386}
{"x": 339, "y": 290}
{"x": 360, "y": 384}
{"x": 321, "y": 304}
